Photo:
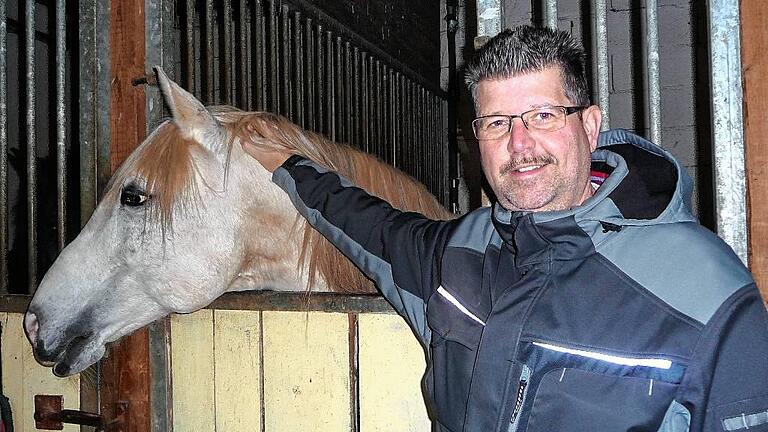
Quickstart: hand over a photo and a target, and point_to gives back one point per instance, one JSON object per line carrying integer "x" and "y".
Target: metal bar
{"x": 320, "y": 111}
{"x": 654, "y": 93}
{"x": 550, "y": 13}
{"x": 728, "y": 133}
{"x": 310, "y": 57}
{"x": 601, "y": 54}
{"x": 392, "y": 108}
{"x": 285, "y": 63}
{"x": 245, "y": 93}
{"x": 274, "y": 67}
{"x": 189, "y": 33}
{"x": 364, "y": 103}
{"x": 209, "y": 61}
{"x": 260, "y": 37}
{"x": 3, "y": 150}
{"x": 61, "y": 124}
{"x": 339, "y": 92}
{"x": 348, "y": 110}
{"x": 330, "y": 96}
{"x": 357, "y": 89}
{"x": 378, "y": 111}
{"x": 29, "y": 57}
{"x": 228, "y": 59}
{"x": 298, "y": 64}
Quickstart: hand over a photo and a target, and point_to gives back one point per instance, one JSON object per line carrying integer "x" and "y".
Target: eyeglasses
{"x": 544, "y": 119}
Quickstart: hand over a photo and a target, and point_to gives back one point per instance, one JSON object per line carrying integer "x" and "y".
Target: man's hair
{"x": 527, "y": 49}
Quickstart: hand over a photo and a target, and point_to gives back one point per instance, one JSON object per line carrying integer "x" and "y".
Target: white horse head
{"x": 188, "y": 216}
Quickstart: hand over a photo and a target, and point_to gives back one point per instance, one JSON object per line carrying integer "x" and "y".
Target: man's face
{"x": 534, "y": 170}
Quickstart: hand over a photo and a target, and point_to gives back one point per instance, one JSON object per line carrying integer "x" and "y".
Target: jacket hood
{"x": 645, "y": 185}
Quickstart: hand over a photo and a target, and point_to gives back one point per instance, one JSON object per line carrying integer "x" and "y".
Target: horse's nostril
{"x": 31, "y": 326}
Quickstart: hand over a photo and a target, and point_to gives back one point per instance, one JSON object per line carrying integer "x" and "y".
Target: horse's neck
{"x": 271, "y": 233}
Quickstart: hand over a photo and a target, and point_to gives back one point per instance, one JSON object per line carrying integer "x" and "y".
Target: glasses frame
{"x": 567, "y": 109}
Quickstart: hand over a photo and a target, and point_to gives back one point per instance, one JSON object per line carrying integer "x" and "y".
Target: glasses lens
{"x": 545, "y": 119}
{"x": 490, "y": 127}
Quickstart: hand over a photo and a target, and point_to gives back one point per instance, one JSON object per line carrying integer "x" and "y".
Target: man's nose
{"x": 520, "y": 139}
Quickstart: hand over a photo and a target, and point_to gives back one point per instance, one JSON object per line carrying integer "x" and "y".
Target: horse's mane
{"x": 271, "y": 131}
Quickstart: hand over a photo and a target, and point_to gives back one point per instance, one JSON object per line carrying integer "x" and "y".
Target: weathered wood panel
{"x": 23, "y": 377}
{"x": 392, "y": 363}
{"x": 306, "y": 372}
{"x": 192, "y": 371}
{"x": 755, "y": 69}
{"x": 237, "y": 342}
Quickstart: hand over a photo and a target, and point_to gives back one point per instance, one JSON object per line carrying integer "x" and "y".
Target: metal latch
{"x": 49, "y": 415}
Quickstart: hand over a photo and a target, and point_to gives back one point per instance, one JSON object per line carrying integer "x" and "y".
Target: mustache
{"x": 514, "y": 164}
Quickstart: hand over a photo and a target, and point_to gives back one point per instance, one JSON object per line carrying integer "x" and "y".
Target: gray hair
{"x": 528, "y": 49}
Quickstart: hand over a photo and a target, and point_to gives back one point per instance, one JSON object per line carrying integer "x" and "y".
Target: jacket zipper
{"x": 522, "y": 390}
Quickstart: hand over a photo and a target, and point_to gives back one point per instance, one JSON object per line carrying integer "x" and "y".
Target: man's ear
{"x": 591, "y": 119}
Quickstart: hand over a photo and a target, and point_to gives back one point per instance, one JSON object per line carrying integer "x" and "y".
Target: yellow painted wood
{"x": 392, "y": 364}
{"x": 237, "y": 339}
{"x": 192, "y": 370}
{"x": 23, "y": 377}
{"x": 306, "y": 372}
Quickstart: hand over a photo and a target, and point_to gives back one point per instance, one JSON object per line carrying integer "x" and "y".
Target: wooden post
{"x": 755, "y": 69}
{"x": 125, "y": 371}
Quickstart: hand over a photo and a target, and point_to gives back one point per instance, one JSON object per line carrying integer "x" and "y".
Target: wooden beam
{"x": 125, "y": 376}
{"x": 754, "y": 42}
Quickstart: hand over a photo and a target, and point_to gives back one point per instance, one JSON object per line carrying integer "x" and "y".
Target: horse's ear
{"x": 188, "y": 112}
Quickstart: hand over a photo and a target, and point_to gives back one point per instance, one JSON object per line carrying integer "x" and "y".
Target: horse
{"x": 188, "y": 216}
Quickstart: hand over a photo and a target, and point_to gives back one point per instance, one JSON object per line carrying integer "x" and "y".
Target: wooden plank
{"x": 237, "y": 357}
{"x": 287, "y": 301}
{"x": 392, "y": 363}
{"x": 755, "y": 69}
{"x": 192, "y": 371}
{"x": 23, "y": 377}
{"x": 306, "y": 372}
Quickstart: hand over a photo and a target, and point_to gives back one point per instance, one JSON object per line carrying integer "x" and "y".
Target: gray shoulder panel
{"x": 473, "y": 230}
{"x": 683, "y": 264}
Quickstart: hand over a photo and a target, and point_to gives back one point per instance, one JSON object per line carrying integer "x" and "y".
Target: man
{"x": 588, "y": 298}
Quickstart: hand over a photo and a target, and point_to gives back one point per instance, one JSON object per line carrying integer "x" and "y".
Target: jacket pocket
{"x": 577, "y": 400}
{"x": 453, "y": 349}
{"x": 580, "y": 389}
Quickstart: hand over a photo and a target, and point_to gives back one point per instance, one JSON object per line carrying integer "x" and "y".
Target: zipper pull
{"x": 607, "y": 226}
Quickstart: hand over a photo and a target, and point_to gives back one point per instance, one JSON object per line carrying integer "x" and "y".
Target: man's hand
{"x": 269, "y": 159}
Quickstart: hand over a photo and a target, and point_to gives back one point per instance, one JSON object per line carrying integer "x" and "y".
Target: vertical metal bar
{"x": 320, "y": 107}
{"x": 550, "y": 13}
{"x": 357, "y": 88}
{"x": 392, "y": 102}
{"x": 260, "y": 58}
{"x": 273, "y": 34}
{"x": 3, "y": 150}
{"x": 189, "y": 33}
{"x": 227, "y": 64}
{"x": 330, "y": 97}
{"x": 378, "y": 121}
{"x": 285, "y": 63}
{"x": 61, "y": 124}
{"x": 601, "y": 54}
{"x": 348, "y": 110}
{"x": 364, "y": 103}
{"x": 310, "y": 44}
{"x": 245, "y": 99}
{"x": 209, "y": 63}
{"x": 339, "y": 93}
{"x": 298, "y": 64}
{"x": 654, "y": 93}
{"x": 728, "y": 133}
{"x": 29, "y": 57}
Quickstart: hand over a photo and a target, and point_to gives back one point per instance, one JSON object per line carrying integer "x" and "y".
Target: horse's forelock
{"x": 165, "y": 164}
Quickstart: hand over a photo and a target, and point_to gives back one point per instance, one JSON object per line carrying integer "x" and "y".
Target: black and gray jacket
{"x": 623, "y": 314}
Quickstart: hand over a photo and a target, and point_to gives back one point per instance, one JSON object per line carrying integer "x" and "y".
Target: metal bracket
{"x": 49, "y": 415}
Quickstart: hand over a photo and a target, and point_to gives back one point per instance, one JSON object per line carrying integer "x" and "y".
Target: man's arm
{"x": 398, "y": 250}
{"x": 727, "y": 385}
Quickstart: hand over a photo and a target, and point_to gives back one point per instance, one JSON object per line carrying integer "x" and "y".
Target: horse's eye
{"x": 133, "y": 196}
